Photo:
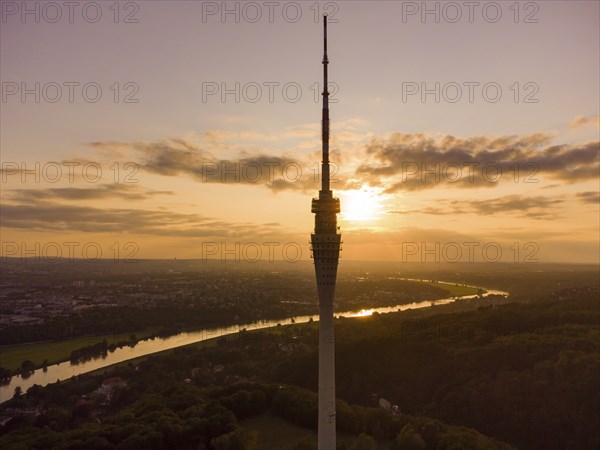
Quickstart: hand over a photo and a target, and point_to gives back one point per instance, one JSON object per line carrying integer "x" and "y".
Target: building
{"x": 325, "y": 246}
{"x": 110, "y": 386}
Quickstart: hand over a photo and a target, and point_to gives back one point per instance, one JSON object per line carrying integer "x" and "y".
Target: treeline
{"x": 183, "y": 416}
{"x": 99, "y": 350}
{"x": 195, "y": 313}
{"x": 120, "y": 320}
{"x": 86, "y": 353}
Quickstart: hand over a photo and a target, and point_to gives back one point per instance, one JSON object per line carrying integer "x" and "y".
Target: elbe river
{"x": 66, "y": 370}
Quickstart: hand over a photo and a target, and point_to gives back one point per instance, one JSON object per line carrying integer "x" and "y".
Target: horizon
{"x": 424, "y": 264}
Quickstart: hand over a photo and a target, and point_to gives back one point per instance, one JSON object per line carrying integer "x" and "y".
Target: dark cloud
{"x": 590, "y": 197}
{"x": 412, "y": 162}
{"x": 63, "y": 218}
{"x": 531, "y": 207}
{"x": 402, "y": 162}
{"x": 176, "y": 157}
{"x": 103, "y": 191}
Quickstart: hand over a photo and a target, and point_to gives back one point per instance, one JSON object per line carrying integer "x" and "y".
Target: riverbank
{"x": 48, "y": 353}
{"x": 66, "y": 370}
{"x": 286, "y": 333}
{"x": 54, "y": 352}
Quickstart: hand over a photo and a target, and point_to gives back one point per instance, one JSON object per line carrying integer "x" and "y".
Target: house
{"x": 110, "y": 386}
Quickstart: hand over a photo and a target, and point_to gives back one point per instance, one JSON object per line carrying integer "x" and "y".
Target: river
{"x": 66, "y": 370}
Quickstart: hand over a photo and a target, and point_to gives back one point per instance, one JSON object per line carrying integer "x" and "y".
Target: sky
{"x": 154, "y": 129}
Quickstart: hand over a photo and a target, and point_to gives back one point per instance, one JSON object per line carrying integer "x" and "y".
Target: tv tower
{"x": 325, "y": 246}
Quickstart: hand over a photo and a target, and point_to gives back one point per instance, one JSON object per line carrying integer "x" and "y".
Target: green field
{"x": 456, "y": 290}
{"x": 12, "y": 356}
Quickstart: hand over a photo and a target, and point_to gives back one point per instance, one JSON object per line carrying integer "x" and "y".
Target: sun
{"x": 360, "y": 205}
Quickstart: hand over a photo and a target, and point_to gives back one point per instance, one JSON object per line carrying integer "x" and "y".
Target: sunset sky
{"x": 528, "y": 155}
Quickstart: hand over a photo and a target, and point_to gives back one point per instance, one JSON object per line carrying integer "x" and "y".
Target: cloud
{"x": 176, "y": 157}
{"x": 590, "y": 197}
{"x": 582, "y": 120}
{"x": 412, "y": 162}
{"x": 63, "y": 218}
{"x": 399, "y": 162}
{"x": 115, "y": 190}
{"x": 530, "y": 207}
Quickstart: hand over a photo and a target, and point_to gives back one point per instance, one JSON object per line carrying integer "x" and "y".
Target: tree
{"x": 239, "y": 439}
{"x": 18, "y": 392}
{"x": 365, "y": 442}
{"x": 4, "y": 373}
{"x": 27, "y": 366}
{"x": 408, "y": 439}
{"x": 96, "y": 443}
